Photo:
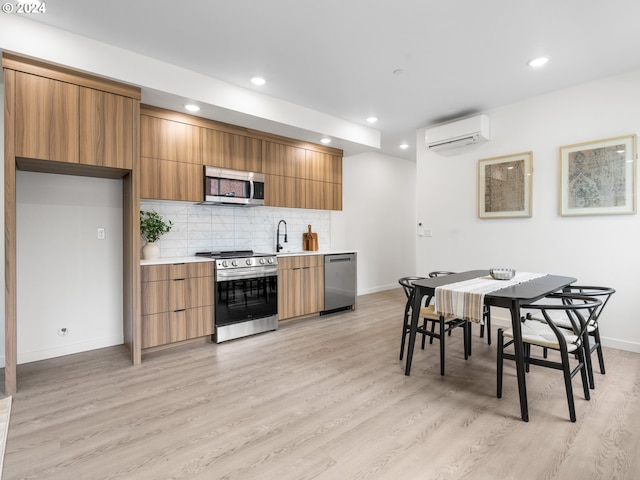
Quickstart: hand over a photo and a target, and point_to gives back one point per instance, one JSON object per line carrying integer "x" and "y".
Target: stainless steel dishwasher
{"x": 339, "y": 282}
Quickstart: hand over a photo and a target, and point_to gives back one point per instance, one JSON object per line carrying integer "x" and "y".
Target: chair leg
{"x": 566, "y": 370}
{"x": 527, "y": 355}
{"x": 424, "y": 336}
{"x": 442, "y": 337}
{"x": 500, "y": 363}
{"x": 404, "y": 337}
{"x": 465, "y": 338}
{"x": 587, "y": 360}
{"x": 433, "y": 329}
{"x": 583, "y": 374}
{"x": 596, "y": 337}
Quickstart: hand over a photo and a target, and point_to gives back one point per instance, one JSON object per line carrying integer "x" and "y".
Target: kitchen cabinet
{"x": 165, "y": 139}
{"x": 284, "y": 160}
{"x": 63, "y": 122}
{"x": 106, "y": 129}
{"x": 46, "y": 119}
{"x": 281, "y": 191}
{"x": 300, "y": 285}
{"x": 228, "y": 150}
{"x": 168, "y": 180}
{"x": 177, "y": 302}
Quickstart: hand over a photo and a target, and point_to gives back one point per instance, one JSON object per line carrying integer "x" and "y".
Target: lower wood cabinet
{"x": 300, "y": 285}
{"x": 177, "y": 302}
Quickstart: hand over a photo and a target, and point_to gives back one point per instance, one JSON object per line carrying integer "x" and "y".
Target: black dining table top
{"x": 524, "y": 292}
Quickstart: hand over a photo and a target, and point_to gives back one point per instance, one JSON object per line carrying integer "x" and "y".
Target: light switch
{"x": 102, "y": 233}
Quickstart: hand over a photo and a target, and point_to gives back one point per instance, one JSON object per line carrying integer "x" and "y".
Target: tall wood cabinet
{"x": 177, "y": 302}
{"x": 64, "y": 122}
{"x": 300, "y": 285}
{"x": 57, "y": 120}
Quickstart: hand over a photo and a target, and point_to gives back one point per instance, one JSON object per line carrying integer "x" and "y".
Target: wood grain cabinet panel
{"x": 106, "y": 129}
{"x": 281, "y": 191}
{"x": 180, "y": 181}
{"x": 300, "y": 285}
{"x": 227, "y": 150}
{"x": 170, "y": 140}
{"x": 46, "y": 119}
{"x": 284, "y": 160}
{"x": 323, "y": 195}
{"x": 177, "y": 302}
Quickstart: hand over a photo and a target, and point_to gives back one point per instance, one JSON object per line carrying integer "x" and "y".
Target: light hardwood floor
{"x": 322, "y": 398}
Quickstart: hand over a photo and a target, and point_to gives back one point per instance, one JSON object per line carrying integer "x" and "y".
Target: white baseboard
{"x": 382, "y": 288}
{"x": 36, "y": 355}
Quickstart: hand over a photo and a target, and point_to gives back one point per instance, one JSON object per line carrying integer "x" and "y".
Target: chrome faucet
{"x": 278, "y": 246}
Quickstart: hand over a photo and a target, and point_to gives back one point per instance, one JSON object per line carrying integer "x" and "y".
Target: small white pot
{"x": 150, "y": 251}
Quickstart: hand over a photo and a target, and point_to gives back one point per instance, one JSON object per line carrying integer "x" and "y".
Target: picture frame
{"x": 504, "y": 186}
{"x": 599, "y": 177}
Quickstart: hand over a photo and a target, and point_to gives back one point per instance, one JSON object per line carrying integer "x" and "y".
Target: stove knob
{"x": 234, "y": 263}
{"x": 248, "y": 262}
{"x": 225, "y": 263}
{"x": 270, "y": 260}
{"x": 262, "y": 261}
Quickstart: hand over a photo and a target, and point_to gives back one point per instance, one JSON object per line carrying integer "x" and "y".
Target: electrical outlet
{"x": 102, "y": 233}
{"x": 63, "y": 332}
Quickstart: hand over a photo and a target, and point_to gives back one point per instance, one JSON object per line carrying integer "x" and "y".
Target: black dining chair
{"x": 428, "y": 314}
{"x": 486, "y": 312}
{"x": 579, "y": 311}
{"x": 592, "y": 341}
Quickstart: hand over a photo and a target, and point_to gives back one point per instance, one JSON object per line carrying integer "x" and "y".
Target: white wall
{"x": 377, "y": 219}
{"x": 66, "y": 276}
{"x": 597, "y": 250}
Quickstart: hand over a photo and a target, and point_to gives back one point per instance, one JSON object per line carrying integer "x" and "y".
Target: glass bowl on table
{"x": 502, "y": 273}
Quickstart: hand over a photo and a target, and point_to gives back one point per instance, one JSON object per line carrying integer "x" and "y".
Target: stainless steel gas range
{"x": 246, "y": 293}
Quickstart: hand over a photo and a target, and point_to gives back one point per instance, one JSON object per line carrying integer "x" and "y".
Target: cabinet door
{"x": 155, "y": 329}
{"x": 222, "y": 149}
{"x": 155, "y": 297}
{"x": 290, "y": 301}
{"x": 149, "y": 178}
{"x": 106, "y": 129}
{"x": 253, "y": 155}
{"x": 180, "y": 181}
{"x": 169, "y": 140}
{"x": 47, "y": 120}
{"x": 281, "y": 191}
{"x": 323, "y": 195}
{"x": 313, "y": 289}
{"x": 199, "y": 291}
{"x": 284, "y": 160}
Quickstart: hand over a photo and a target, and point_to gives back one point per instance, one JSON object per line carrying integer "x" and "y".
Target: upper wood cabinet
{"x": 47, "y": 119}
{"x": 228, "y": 150}
{"x": 106, "y": 129}
{"x": 168, "y": 180}
{"x": 323, "y": 167}
{"x": 64, "y": 122}
{"x": 285, "y": 160}
{"x": 170, "y": 140}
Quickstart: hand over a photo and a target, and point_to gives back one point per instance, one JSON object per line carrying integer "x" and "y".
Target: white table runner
{"x": 466, "y": 299}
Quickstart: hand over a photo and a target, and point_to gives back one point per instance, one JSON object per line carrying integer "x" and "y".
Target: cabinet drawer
{"x": 301, "y": 261}
{"x": 169, "y": 327}
{"x": 172, "y": 271}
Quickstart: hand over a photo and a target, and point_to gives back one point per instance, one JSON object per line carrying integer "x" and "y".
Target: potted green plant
{"x": 152, "y": 227}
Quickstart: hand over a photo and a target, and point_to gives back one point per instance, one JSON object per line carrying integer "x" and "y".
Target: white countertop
{"x": 167, "y": 260}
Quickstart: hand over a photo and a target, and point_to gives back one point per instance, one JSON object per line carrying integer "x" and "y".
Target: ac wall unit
{"x": 458, "y": 136}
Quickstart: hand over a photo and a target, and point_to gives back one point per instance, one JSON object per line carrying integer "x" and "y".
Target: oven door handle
{"x": 235, "y": 275}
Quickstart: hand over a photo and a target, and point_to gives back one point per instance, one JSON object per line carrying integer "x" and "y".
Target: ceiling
{"x": 410, "y": 63}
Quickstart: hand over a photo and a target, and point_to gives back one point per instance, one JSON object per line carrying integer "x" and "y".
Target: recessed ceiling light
{"x": 372, "y": 119}
{"x": 325, "y": 140}
{"x": 404, "y": 146}
{"x": 259, "y": 81}
{"x": 191, "y": 107}
{"x": 538, "y": 62}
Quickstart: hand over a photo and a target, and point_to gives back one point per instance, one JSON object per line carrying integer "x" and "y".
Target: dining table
{"x": 511, "y": 297}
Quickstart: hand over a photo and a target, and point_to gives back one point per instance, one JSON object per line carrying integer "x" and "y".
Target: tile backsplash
{"x": 205, "y": 227}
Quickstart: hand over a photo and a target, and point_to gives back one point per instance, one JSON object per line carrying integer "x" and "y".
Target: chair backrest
{"x": 407, "y": 285}
{"x": 603, "y": 293}
{"x": 440, "y": 273}
{"x": 579, "y": 309}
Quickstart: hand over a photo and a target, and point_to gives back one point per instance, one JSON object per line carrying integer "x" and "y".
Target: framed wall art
{"x": 598, "y": 178}
{"x": 504, "y": 186}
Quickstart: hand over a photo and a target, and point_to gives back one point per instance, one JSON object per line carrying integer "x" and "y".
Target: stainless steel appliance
{"x": 223, "y": 186}
{"x": 339, "y": 282}
{"x": 245, "y": 292}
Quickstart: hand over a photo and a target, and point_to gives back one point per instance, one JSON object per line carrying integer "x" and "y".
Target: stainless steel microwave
{"x": 223, "y": 186}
